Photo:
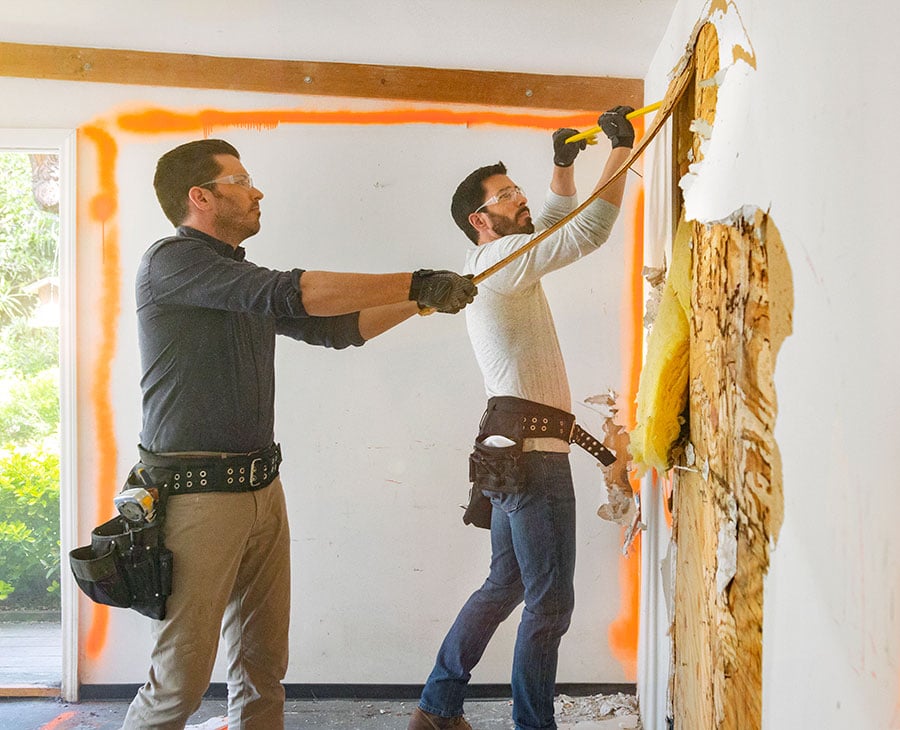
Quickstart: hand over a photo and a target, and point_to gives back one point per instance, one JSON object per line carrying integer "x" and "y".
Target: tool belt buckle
{"x": 254, "y": 478}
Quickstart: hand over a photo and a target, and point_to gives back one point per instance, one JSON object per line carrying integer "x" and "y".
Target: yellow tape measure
{"x": 588, "y": 134}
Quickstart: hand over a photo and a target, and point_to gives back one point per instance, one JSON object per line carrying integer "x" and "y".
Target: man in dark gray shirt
{"x": 207, "y": 321}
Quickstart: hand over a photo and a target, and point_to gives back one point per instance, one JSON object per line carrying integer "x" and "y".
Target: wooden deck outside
{"x": 30, "y": 659}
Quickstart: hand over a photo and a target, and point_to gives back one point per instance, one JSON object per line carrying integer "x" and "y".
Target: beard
{"x": 238, "y": 223}
{"x": 507, "y": 226}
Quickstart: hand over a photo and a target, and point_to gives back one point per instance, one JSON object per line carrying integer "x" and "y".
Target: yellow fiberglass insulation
{"x": 663, "y": 389}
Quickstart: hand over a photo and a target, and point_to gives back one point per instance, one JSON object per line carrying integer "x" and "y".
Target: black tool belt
{"x": 241, "y": 473}
{"x": 517, "y": 418}
{"x": 499, "y": 468}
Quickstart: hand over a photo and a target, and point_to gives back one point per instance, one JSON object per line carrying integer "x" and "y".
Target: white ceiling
{"x": 580, "y": 37}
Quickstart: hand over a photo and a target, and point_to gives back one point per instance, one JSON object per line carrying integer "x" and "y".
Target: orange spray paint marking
{"x": 156, "y": 121}
{"x": 623, "y": 631}
{"x": 57, "y": 722}
{"x": 102, "y": 209}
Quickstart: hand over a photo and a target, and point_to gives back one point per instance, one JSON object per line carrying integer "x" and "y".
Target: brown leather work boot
{"x": 422, "y": 720}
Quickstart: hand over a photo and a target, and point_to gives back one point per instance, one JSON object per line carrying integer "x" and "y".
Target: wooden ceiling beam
{"x": 407, "y": 83}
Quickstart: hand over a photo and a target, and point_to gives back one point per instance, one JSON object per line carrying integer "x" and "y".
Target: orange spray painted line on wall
{"x": 101, "y": 208}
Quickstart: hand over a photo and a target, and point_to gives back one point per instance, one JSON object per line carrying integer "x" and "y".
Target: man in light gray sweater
{"x": 520, "y": 462}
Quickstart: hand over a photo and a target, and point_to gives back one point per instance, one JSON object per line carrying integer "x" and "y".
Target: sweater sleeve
{"x": 582, "y": 235}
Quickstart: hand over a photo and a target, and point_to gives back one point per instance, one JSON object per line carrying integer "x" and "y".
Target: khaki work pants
{"x": 231, "y": 571}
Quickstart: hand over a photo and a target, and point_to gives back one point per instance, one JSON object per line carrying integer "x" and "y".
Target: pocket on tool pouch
{"x": 125, "y": 566}
{"x": 100, "y": 577}
{"x": 496, "y": 468}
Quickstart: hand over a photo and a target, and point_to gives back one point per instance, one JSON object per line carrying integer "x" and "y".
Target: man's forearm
{"x": 375, "y": 320}
{"x": 329, "y": 293}
{"x": 613, "y": 194}
{"x": 563, "y": 180}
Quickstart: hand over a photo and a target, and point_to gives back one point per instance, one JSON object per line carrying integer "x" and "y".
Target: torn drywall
{"x": 727, "y": 502}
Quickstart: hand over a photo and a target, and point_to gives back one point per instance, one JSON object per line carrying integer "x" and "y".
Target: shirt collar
{"x": 220, "y": 246}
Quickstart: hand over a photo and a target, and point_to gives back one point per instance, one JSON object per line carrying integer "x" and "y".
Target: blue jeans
{"x": 533, "y": 558}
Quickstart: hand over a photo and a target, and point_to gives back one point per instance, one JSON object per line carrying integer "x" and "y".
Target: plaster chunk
{"x": 726, "y": 551}
{"x": 620, "y": 506}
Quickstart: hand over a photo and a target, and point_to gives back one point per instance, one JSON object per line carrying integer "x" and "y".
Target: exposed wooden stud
{"x": 408, "y": 83}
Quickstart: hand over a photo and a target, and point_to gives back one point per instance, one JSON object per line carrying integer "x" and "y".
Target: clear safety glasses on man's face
{"x": 501, "y": 197}
{"x": 242, "y": 179}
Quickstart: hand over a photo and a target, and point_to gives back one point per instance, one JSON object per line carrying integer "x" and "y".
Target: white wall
{"x": 616, "y": 38}
{"x": 375, "y": 439}
{"x": 809, "y": 136}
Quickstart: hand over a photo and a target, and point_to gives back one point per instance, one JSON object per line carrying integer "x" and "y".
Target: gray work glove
{"x": 564, "y": 154}
{"x": 443, "y": 291}
{"x": 617, "y": 127}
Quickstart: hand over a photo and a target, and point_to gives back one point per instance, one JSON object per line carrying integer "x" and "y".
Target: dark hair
{"x": 469, "y": 196}
{"x": 182, "y": 168}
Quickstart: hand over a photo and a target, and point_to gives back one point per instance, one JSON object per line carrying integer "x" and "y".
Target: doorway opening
{"x": 37, "y": 619}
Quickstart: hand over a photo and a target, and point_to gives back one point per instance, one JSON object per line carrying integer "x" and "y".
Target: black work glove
{"x": 617, "y": 127}
{"x": 564, "y": 154}
{"x": 443, "y": 291}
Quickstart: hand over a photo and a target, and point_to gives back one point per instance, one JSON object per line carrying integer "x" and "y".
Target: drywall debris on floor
{"x": 597, "y": 707}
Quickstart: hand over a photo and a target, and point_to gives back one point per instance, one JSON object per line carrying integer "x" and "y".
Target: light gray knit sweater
{"x": 510, "y": 324}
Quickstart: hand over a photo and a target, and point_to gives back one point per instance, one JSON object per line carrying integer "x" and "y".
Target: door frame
{"x": 62, "y": 142}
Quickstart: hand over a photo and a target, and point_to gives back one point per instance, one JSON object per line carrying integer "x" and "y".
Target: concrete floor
{"x": 30, "y": 656}
{"x": 32, "y": 714}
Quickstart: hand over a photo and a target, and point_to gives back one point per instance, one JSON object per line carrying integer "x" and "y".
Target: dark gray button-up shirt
{"x": 207, "y": 321}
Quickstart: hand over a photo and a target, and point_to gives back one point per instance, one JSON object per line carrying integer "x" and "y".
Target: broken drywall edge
{"x": 734, "y": 48}
{"x": 621, "y": 506}
{"x": 734, "y": 42}
{"x": 701, "y": 128}
{"x": 740, "y": 217}
{"x": 715, "y": 80}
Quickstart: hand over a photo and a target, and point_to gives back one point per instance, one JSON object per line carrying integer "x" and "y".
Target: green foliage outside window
{"x": 29, "y": 398}
{"x": 29, "y": 530}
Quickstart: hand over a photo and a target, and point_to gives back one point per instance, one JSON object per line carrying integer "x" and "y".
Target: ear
{"x": 200, "y": 198}
{"x": 480, "y": 222}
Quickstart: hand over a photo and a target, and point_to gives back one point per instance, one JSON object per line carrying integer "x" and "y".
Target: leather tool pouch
{"x": 499, "y": 468}
{"x": 496, "y": 468}
{"x": 478, "y": 511}
{"x": 127, "y": 565}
